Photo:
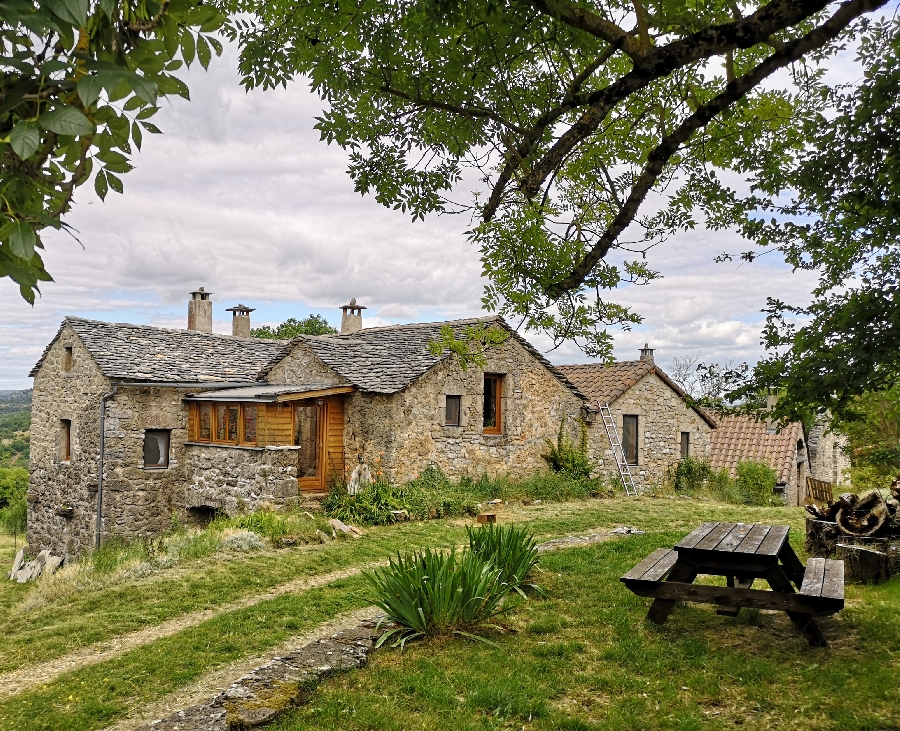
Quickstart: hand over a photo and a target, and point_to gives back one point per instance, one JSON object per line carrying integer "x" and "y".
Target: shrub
{"x": 511, "y": 549}
{"x": 431, "y": 593}
{"x": 691, "y": 475}
{"x": 13, "y": 503}
{"x": 372, "y": 505}
{"x": 755, "y": 481}
{"x": 565, "y": 456}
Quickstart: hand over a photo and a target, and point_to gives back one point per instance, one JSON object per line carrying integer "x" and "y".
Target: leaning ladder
{"x": 619, "y": 453}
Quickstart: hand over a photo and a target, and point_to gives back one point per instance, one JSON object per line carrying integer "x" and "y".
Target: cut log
{"x": 864, "y": 565}
{"x": 822, "y": 537}
{"x": 862, "y": 517}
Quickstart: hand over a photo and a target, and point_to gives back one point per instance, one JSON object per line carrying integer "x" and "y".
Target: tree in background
{"x": 874, "y": 436}
{"x": 80, "y": 80}
{"x": 598, "y": 129}
{"x": 291, "y": 328}
{"x": 13, "y": 503}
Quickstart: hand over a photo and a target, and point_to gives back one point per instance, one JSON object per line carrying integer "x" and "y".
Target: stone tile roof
{"x": 388, "y": 359}
{"x": 145, "y": 353}
{"x": 743, "y": 438}
{"x": 603, "y": 384}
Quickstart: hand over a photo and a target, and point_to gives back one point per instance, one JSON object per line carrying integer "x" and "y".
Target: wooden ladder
{"x": 624, "y": 472}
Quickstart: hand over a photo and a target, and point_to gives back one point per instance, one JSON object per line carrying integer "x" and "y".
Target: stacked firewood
{"x": 868, "y": 516}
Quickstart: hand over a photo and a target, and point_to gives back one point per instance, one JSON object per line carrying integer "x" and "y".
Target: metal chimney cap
{"x": 353, "y": 305}
{"x": 240, "y": 309}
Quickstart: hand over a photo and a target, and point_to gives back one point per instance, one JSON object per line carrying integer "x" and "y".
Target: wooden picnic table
{"x": 742, "y": 553}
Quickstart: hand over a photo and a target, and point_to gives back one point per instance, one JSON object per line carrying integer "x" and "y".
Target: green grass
{"x": 581, "y": 659}
{"x": 586, "y": 659}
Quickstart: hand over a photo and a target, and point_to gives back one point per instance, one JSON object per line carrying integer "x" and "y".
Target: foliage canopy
{"x": 291, "y": 328}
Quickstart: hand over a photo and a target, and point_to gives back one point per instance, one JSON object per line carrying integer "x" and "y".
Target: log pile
{"x": 868, "y": 516}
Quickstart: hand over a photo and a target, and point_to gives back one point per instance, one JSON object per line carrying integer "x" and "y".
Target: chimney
{"x": 351, "y": 317}
{"x": 200, "y": 311}
{"x": 647, "y": 353}
{"x": 240, "y": 320}
{"x": 771, "y": 401}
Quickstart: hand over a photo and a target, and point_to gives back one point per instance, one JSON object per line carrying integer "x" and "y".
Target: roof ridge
{"x": 381, "y": 328}
{"x": 179, "y": 331}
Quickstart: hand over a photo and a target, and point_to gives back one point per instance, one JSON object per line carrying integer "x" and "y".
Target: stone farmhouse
{"x": 133, "y": 423}
{"x": 655, "y": 424}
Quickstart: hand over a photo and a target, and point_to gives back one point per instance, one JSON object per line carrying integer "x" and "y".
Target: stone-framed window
{"x": 630, "y": 438}
{"x": 452, "y": 410}
{"x": 68, "y": 358}
{"x": 225, "y": 423}
{"x": 156, "y": 448}
{"x": 65, "y": 440}
{"x": 493, "y": 416}
{"x": 685, "y": 444}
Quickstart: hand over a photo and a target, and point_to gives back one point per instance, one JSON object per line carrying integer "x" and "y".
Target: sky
{"x": 241, "y": 197}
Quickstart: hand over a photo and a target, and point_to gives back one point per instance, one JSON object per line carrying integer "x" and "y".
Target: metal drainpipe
{"x": 100, "y": 471}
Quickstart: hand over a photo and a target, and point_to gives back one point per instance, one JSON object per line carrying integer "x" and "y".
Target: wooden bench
{"x": 667, "y": 576}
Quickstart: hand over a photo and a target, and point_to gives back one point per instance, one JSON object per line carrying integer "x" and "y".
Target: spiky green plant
{"x": 566, "y": 456}
{"x": 430, "y": 593}
{"x": 512, "y": 549}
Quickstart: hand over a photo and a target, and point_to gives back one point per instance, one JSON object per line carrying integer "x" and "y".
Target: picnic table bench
{"x": 741, "y": 553}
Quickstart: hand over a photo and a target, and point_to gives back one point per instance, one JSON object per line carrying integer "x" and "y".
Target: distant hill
{"x": 12, "y": 402}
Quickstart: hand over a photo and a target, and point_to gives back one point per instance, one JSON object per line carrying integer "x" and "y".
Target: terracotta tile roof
{"x": 742, "y": 438}
{"x": 603, "y": 384}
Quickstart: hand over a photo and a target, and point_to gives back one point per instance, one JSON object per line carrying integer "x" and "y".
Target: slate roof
{"x": 378, "y": 359}
{"x": 742, "y": 438}
{"x": 388, "y": 359}
{"x": 145, "y": 353}
{"x": 603, "y": 384}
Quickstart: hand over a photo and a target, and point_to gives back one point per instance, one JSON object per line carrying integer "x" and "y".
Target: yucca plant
{"x": 431, "y": 593}
{"x": 510, "y": 549}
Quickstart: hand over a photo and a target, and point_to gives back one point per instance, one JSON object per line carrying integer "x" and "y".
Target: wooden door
{"x": 310, "y": 419}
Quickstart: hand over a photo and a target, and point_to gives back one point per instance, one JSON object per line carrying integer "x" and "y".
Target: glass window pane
{"x": 221, "y": 423}
{"x": 306, "y": 433}
{"x": 685, "y": 444}
{"x": 204, "y": 429}
{"x": 630, "y": 438}
{"x": 490, "y": 402}
{"x": 451, "y": 415}
{"x": 232, "y": 423}
{"x": 250, "y": 424}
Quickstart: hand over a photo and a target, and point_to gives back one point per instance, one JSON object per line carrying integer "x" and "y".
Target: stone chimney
{"x": 351, "y": 317}
{"x": 647, "y": 353}
{"x": 771, "y": 401}
{"x": 240, "y": 320}
{"x": 200, "y": 311}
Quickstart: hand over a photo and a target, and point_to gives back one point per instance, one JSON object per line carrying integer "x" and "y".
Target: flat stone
{"x": 17, "y": 564}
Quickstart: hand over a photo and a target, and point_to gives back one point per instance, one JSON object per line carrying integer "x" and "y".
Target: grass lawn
{"x": 583, "y": 658}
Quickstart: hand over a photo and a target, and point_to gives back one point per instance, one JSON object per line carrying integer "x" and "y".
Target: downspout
{"x": 100, "y": 471}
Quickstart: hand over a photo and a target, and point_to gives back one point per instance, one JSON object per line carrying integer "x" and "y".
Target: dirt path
{"x": 218, "y": 680}
{"x": 31, "y": 676}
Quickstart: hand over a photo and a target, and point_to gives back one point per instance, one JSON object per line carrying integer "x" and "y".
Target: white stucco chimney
{"x": 647, "y": 353}
{"x": 200, "y": 311}
{"x": 240, "y": 320}
{"x": 351, "y": 317}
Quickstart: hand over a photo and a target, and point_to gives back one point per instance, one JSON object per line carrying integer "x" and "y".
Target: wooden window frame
{"x": 498, "y": 402}
{"x": 241, "y": 440}
{"x": 685, "y": 444}
{"x": 447, "y": 400}
{"x": 637, "y": 439}
{"x": 65, "y": 449}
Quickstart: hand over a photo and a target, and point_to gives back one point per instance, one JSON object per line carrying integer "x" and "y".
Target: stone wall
{"x": 404, "y": 433}
{"x": 662, "y": 416}
{"x": 828, "y": 458}
{"x": 302, "y": 366}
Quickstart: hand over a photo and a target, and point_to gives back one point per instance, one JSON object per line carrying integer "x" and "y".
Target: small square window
{"x": 452, "y": 410}
{"x": 65, "y": 440}
{"x": 156, "y": 448}
{"x": 685, "y": 444}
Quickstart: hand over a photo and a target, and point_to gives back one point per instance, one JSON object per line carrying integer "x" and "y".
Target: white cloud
{"x": 240, "y": 196}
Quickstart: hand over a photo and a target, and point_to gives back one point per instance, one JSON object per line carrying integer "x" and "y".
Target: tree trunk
{"x": 862, "y": 517}
{"x": 821, "y": 538}
{"x": 863, "y": 565}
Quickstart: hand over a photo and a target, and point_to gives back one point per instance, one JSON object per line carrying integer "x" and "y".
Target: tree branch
{"x": 668, "y": 146}
{"x": 583, "y": 19}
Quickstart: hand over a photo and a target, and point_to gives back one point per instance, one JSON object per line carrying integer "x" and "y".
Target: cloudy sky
{"x": 241, "y": 197}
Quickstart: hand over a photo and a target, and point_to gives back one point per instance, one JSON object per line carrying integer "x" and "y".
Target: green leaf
{"x": 89, "y": 88}
{"x": 136, "y": 135}
{"x": 203, "y": 53}
{"x": 100, "y": 185}
{"x": 114, "y": 182}
{"x": 108, "y": 7}
{"x": 66, "y": 121}
{"x": 147, "y": 113}
{"x": 216, "y": 44}
{"x": 71, "y": 11}
{"x": 143, "y": 87}
{"x": 187, "y": 46}
{"x": 152, "y": 128}
{"x": 172, "y": 85}
{"x": 22, "y": 240}
{"x": 25, "y": 138}
{"x": 169, "y": 28}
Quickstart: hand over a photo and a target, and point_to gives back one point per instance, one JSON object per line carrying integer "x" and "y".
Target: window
{"x": 65, "y": 440}
{"x": 68, "y": 358}
{"x": 219, "y": 423}
{"x": 492, "y": 415}
{"x": 685, "y": 444}
{"x": 630, "y": 438}
{"x": 451, "y": 410}
{"x": 156, "y": 448}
